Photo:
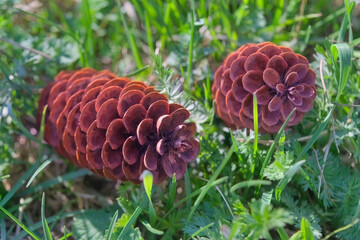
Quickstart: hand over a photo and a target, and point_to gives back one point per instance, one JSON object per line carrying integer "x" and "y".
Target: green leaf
{"x": 40, "y": 168}
{"x": 151, "y": 229}
{"x": 344, "y": 52}
{"x": 282, "y": 233}
{"x": 31, "y": 233}
{"x": 306, "y": 231}
{"x": 288, "y": 176}
{"x": 248, "y": 183}
{"x": 212, "y": 179}
{"x": 112, "y": 225}
{"x": 91, "y": 224}
{"x": 46, "y": 229}
{"x": 148, "y": 182}
{"x": 132, "y": 220}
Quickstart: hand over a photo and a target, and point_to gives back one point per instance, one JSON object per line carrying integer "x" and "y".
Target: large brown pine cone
{"x": 280, "y": 78}
{"x": 117, "y": 127}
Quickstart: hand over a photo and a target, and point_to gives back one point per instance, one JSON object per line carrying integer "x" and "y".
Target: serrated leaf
{"x": 91, "y": 224}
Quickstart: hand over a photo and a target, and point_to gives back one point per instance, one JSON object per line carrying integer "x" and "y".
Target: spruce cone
{"x": 117, "y": 127}
{"x": 280, "y": 78}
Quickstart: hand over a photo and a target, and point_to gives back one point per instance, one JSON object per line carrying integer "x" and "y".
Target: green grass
{"x": 302, "y": 183}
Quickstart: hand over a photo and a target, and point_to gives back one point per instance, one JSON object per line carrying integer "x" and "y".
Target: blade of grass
{"x": 187, "y": 188}
{"x": 193, "y": 194}
{"x": 51, "y": 219}
{"x": 138, "y": 71}
{"x": 129, "y": 36}
{"x": 248, "y": 183}
{"x": 316, "y": 134}
{"x": 18, "y": 184}
{"x": 31, "y": 233}
{"x": 344, "y": 52}
{"x": 112, "y": 225}
{"x": 191, "y": 47}
{"x": 201, "y": 230}
{"x": 288, "y": 176}
{"x": 212, "y": 179}
{"x": 148, "y": 184}
{"x": 132, "y": 220}
{"x": 282, "y": 233}
{"x": 47, "y": 232}
{"x": 40, "y": 168}
{"x": 3, "y": 229}
{"x": 272, "y": 148}
{"x": 256, "y": 125}
{"x": 341, "y": 229}
{"x": 172, "y": 192}
{"x": 150, "y": 228}
{"x": 54, "y": 181}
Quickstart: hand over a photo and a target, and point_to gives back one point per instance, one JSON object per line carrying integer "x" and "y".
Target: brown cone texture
{"x": 117, "y": 127}
{"x": 280, "y": 78}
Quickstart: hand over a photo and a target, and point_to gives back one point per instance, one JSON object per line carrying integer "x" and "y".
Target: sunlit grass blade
{"x": 172, "y": 192}
{"x": 112, "y": 225}
{"x": 288, "y": 176}
{"x": 282, "y": 233}
{"x": 138, "y": 71}
{"x": 193, "y": 194}
{"x": 132, "y": 220}
{"x": 52, "y": 219}
{"x": 316, "y": 134}
{"x": 212, "y": 179}
{"x": 40, "y": 168}
{"x": 272, "y": 148}
{"x": 31, "y": 233}
{"x": 256, "y": 124}
{"x": 344, "y": 52}
{"x": 248, "y": 183}
{"x": 151, "y": 229}
{"x": 148, "y": 184}
{"x": 18, "y": 184}
{"x": 54, "y": 181}
{"x": 46, "y": 229}
{"x": 201, "y": 230}
{"x": 305, "y": 229}
{"x": 342, "y": 229}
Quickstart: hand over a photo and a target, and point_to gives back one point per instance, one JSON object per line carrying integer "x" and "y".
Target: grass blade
{"x": 46, "y": 229}
{"x": 132, "y": 220}
{"x": 112, "y": 225}
{"x": 248, "y": 183}
{"x": 193, "y": 194}
{"x": 41, "y": 167}
{"x": 344, "y": 52}
{"x": 130, "y": 37}
{"x": 191, "y": 47}
{"x": 272, "y": 148}
{"x": 288, "y": 176}
{"x": 212, "y": 179}
{"x": 31, "y": 233}
{"x": 256, "y": 124}
{"x": 151, "y": 229}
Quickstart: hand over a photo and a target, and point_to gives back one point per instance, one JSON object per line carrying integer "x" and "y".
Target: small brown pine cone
{"x": 117, "y": 127}
{"x": 280, "y": 79}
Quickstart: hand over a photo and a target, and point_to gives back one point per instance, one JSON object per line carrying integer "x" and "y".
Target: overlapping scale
{"x": 280, "y": 79}
{"x": 117, "y": 127}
